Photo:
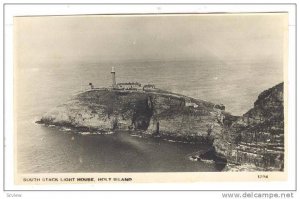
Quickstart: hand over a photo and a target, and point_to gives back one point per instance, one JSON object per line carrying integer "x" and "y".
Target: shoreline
{"x": 176, "y": 118}
{"x": 95, "y": 131}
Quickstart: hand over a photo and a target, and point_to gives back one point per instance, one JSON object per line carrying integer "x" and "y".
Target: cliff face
{"x": 159, "y": 114}
{"x": 257, "y": 137}
{"x": 254, "y": 138}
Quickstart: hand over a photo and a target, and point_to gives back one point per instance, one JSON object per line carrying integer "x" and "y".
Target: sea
{"x": 39, "y": 87}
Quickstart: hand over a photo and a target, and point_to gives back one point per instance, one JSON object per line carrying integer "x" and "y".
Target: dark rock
{"x": 258, "y": 136}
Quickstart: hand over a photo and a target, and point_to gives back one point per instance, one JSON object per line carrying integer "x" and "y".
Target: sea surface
{"x": 40, "y": 87}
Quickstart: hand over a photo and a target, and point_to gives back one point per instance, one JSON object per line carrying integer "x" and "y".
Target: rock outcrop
{"x": 150, "y": 113}
{"x": 257, "y": 137}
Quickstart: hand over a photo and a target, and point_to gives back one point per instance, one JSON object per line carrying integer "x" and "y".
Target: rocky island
{"x": 255, "y": 138}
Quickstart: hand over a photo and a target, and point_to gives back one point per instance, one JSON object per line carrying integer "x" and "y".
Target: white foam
{"x": 208, "y": 161}
{"x": 109, "y": 132}
{"x": 134, "y": 135}
{"x": 194, "y": 159}
{"x": 85, "y": 133}
{"x": 65, "y": 129}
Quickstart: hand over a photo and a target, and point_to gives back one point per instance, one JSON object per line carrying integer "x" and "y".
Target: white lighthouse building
{"x": 113, "y": 76}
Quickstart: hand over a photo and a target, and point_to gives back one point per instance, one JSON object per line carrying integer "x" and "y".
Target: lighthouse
{"x": 113, "y": 76}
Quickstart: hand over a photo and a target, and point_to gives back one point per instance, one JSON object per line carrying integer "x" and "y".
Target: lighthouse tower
{"x": 113, "y": 76}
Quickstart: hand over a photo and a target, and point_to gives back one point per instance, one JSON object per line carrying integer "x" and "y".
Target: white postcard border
{"x": 20, "y": 10}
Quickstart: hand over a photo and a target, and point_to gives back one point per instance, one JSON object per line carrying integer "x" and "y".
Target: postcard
{"x": 146, "y": 98}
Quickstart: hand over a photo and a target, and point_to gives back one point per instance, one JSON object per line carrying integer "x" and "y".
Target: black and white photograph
{"x": 150, "y": 93}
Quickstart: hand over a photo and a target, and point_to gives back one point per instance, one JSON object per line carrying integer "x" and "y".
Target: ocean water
{"x": 40, "y": 87}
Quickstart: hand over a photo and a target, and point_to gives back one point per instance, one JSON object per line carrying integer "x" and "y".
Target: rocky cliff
{"x": 149, "y": 113}
{"x": 257, "y": 137}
